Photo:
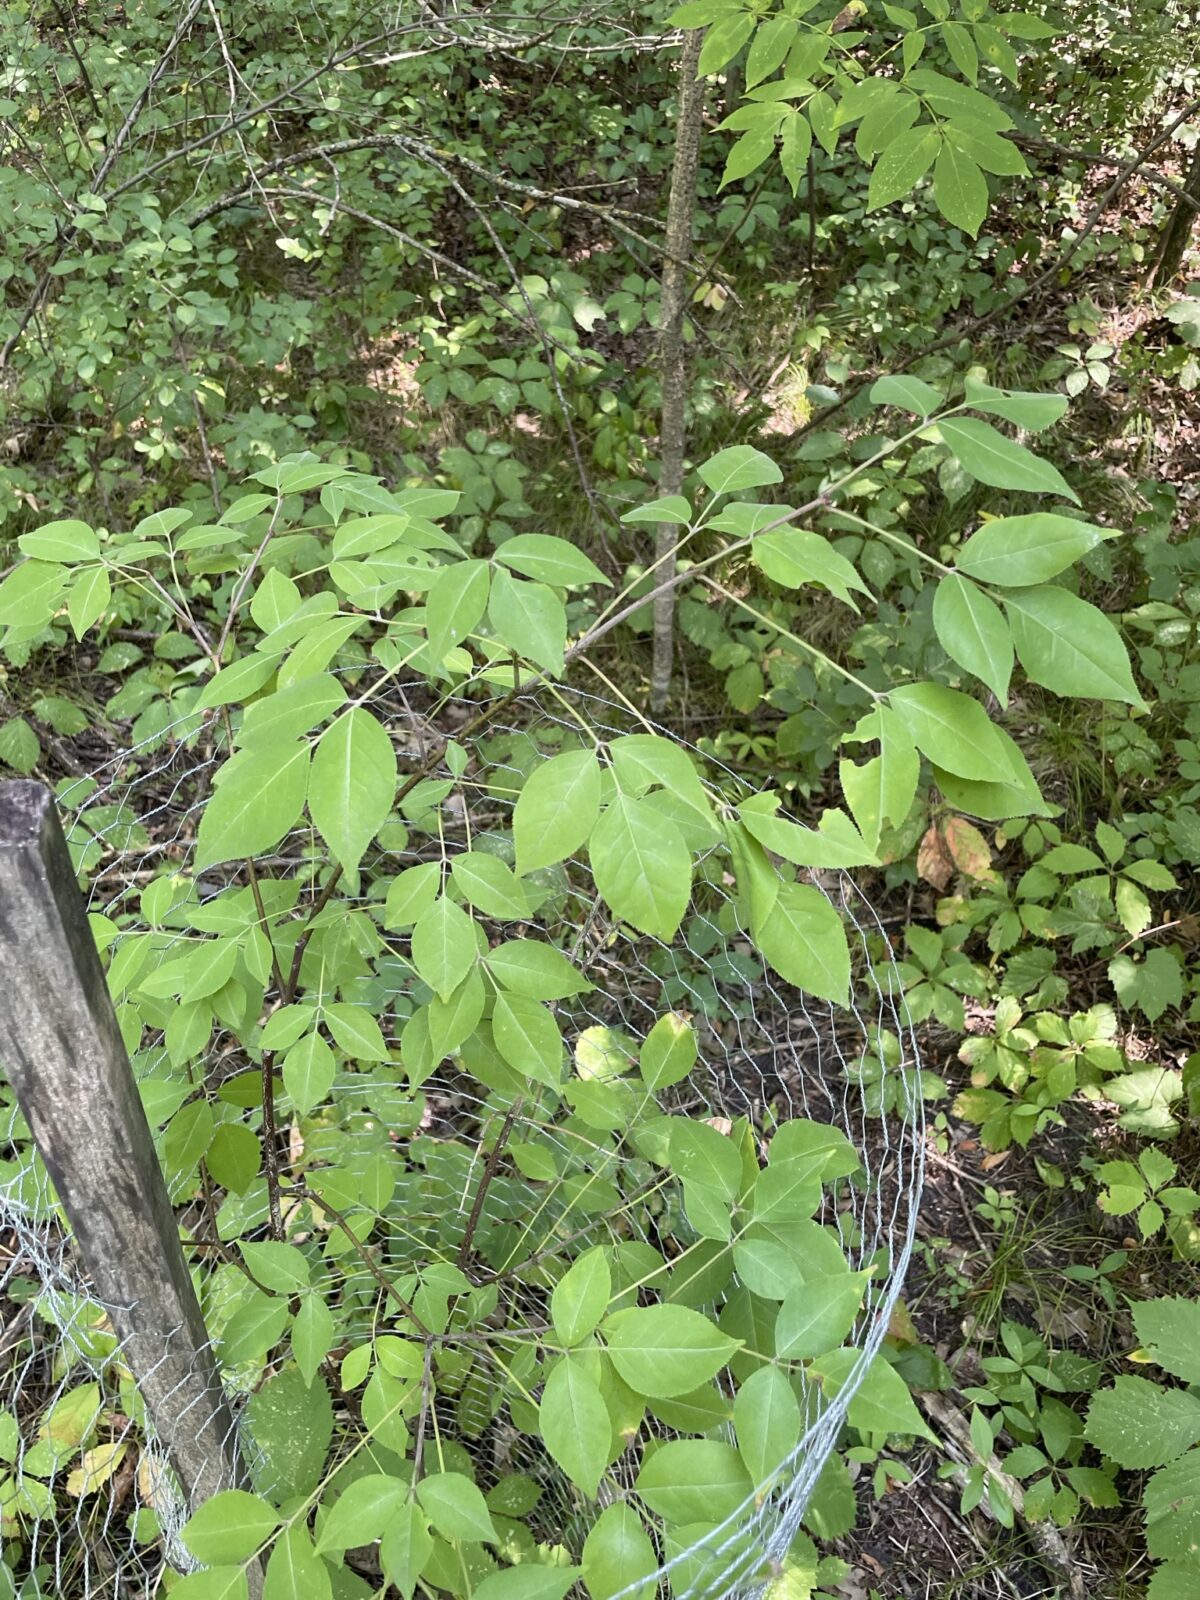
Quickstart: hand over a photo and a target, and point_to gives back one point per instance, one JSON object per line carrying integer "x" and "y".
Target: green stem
{"x": 901, "y": 544}
{"x": 786, "y": 633}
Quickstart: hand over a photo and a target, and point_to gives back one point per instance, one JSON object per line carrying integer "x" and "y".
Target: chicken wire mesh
{"x": 89, "y": 1502}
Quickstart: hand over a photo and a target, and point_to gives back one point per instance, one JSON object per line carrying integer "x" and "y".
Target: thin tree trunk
{"x": 1179, "y": 228}
{"x": 672, "y": 358}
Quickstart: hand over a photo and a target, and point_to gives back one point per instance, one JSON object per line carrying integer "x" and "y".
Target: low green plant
{"x": 1146, "y": 1190}
{"x": 1020, "y": 1399}
{"x": 1148, "y": 1426}
{"x": 1039, "y": 1064}
{"x": 584, "y": 1257}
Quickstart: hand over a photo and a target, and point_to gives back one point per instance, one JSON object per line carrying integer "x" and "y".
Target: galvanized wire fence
{"x": 90, "y": 1506}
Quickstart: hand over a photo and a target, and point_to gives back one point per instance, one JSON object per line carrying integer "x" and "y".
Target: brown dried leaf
{"x": 934, "y": 862}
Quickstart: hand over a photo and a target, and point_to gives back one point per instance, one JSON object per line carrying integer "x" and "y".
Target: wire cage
{"x": 90, "y": 1506}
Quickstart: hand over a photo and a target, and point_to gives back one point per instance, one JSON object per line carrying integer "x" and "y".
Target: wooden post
{"x": 62, "y": 1050}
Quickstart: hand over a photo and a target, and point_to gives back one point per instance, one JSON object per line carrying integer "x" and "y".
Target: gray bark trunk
{"x": 673, "y": 354}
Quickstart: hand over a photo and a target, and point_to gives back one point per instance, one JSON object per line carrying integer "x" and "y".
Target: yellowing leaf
{"x": 96, "y": 1467}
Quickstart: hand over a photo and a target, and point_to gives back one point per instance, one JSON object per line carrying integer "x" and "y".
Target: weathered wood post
{"x": 61, "y": 1047}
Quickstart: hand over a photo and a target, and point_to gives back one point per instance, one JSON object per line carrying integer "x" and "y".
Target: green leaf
{"x": 530, "y": 619}
{"x": 739, "y": 467}
{"x": 453, "y": 1021}
{"x": 812, "y": 1149}
{"x": 748, "y": 153}
{"x": 256, "y": 803}
{"x": 962, "y": 50}
{"x": 29, "y": 596}
{"x": 641, "y": 760}
{"x": 281, "y": 1267}
{"x": 295, "y": 477}
{"x": 550, "y": 560}
{"x": 308, "y": 1071}
{"x": 1018, "y": 406}
{"x": 1174, "y": 1580}
{"x": 295, "y": 1570}
{"x": 795, "y": 147}
{"x": 556, "y": 810}
{"x": 411, "y": 894}
{"x": 666, "y": 1350}
{"x": 488, "y": 884}
{"x": 88, "y": 600}
{"x": 19, "y": 746}
{"x": 455, "y": 1507}
{"x": 952, "y": 729}
{"x": 901, "y": 166}
{"x": 617, "y": 1553}
{"x": 528, "y": 1038}
{"x": 581, "y": 1296}
{"x": 817, "y": 1316}
{"x": 537, "y": 971}
{"x": 214, "y": 1583}
{"x": 1172, "y": 1501}
{"x": 233, "y": 1156}
{"x": 960, "y": 189}
{"x": 575, "y": 1425}
{"x": 1023, "y": 25}
{"x": 992, "y": 458}
{"x": 672, "y": 508}
{"x": 207, "y": 969}
{"x": 694, "y": 1480}
{"x": 958, "y": 102}
{"x": 642, "y": 866}
{"x": 723, "y": 41}
{"x": 766, "y": 1418}
{"x": 881, "y": 1404}
{"x": 907, "y": 393}
{"x": 229, "y": 1527}
{"x": 444, "y": 946}
{"x": 1014, "y": 552}
{"x": 1170, "y": 1328}
{"x": 405, "y": 1548}
{"x": 61, "y": 541}
{"x": 237, "y": 681}
{"x": 882, "y": 790}
{"x": 1139, "y": 1424}
{"x": 527, "y": 1581}
{"x": 316, "y": 647}
{"x": 293, "y": 711}
{"x": 804, "y": 940}
{"x": 1133, "y": 908}
{"x": 834, "y": 842}
{"x": 1016, "y": 796}
{"x": 456, "y": 602}
{"x": 971, "y": 629}
{"x": 275, "y": 599}
{"x": 353, "y": 784}
{"x": 312, "y": 1335}
{"x": 668, "y": 1053}
{"x": 1070, "y": 647}
{"x": 773, "y": 39}
{"x": 363, "y": 1512}
{"x": 987, "y": 150}
{"x": 355, "y": 1031}
{"x": 1154, "y": 985}
{"x": 699, "y": 1154}
{"x": 796, "y": 556}
{"x": 889, "y": 113}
